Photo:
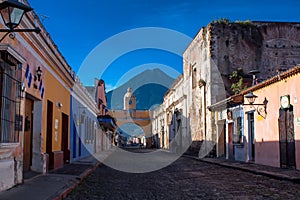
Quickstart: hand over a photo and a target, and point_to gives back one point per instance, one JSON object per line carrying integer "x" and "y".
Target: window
{"x": 238, "y": 132}
{"x": 89, "y": 131}
{"x": 10, "y": 91}
{"x": 94, "y": 128}
{"x": 194, "y": 78}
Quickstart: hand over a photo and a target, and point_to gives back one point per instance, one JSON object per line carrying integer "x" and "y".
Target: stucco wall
{"x": 197, "y": 61}
{"x": 266, "y": 130}
{"x": 56, "y": 93}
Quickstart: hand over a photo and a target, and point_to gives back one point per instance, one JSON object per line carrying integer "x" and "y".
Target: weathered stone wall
{"x": 280, "y": 47}
{"x": 235, "y": 45}
{"x": 219, "y": 49}
{"x": 265, "y": 46}
{"x": 197, "y": 66}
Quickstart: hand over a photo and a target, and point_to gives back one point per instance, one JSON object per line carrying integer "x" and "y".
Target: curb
{"x": 253, "y": 171}
{"x": 80, "y": 179}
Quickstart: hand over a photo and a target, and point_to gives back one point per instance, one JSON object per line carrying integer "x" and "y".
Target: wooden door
{"x": 251, "y": 137}
{"x": 27, "y": 149}
{"x": 49, "y": 134}
{"x": 230, "y": 141}
{"x": 286, "y": 138}
{"x": 221, "y": 139}
{"x": 65, "y": 137}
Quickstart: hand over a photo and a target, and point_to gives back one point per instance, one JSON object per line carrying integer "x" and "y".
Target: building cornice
{"x": 9, "y": 49}
{"x": 46, "y": 48}
{"x": 175, "y": 103}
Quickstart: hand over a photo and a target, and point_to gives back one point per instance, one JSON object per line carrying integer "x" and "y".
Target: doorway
{"x": 230, "y": 141}
{"x": 28, "y": 122}
{"x": 49, "y": 134}
{"x": 251, "y": 137}
{"x": 163, "y": 137}
{"x": 287, "y": 138}
{"x": 65, "y": 138}
{"x": 221, "y": 139}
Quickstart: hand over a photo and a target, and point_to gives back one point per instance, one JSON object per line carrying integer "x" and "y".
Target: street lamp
{"x": 251, "y": 98}
{"x": 261, "y": 107}
{"x": 12, "y": 12}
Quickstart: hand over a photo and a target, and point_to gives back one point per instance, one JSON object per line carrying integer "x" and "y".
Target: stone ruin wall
{"x": 264, "y": 46}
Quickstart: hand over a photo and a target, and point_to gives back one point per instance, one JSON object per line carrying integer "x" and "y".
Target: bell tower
{"x": 129, "y": 100}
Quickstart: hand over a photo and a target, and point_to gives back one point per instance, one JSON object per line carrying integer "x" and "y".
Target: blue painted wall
{"x": 82, "y": 133}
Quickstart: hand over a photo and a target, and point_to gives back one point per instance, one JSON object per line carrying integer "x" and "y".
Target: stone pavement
{"x": 185, "y": 178}
{"x": 57, "y": 183}
{"x": 272, "y": 172}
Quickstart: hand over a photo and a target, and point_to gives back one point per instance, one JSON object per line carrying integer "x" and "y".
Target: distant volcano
{"x": 149, "y": 88}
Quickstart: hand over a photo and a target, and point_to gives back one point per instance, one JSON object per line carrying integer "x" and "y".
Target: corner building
{"x": 223, "y": 47}
{"x": 35, "y": 104}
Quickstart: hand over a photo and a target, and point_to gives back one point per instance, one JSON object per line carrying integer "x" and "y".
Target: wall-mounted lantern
{"x": 59, "y": 105}
{"x": 37, "y": 78}
{"x": 260, "y": 108}
{"x": 12, "y": 12}
{"x": 39, "y": 73}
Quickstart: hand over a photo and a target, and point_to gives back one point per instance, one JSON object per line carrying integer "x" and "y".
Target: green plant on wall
{"x": 221, "y": 21}
{"x": 247, "y": 22}
{"x": 237, "y": 81}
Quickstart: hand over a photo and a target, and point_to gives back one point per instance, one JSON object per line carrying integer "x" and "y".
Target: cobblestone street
{"x": 186, "y": 178}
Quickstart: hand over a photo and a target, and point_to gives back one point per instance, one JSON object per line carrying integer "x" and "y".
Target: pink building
{"x": 273, "y": 135}
{"x": 101, "y": 98}
{"x": 267, "y": 131}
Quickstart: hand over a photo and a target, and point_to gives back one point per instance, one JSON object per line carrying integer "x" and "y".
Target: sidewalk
{"x": 273, "y": 172}
{"x": 57, "y": 183}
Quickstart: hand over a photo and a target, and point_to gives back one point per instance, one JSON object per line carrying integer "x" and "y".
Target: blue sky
{"x": 77, "y": 27}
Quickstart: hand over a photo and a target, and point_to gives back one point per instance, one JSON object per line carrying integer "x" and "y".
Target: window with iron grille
{"x": 10, "y": 91}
